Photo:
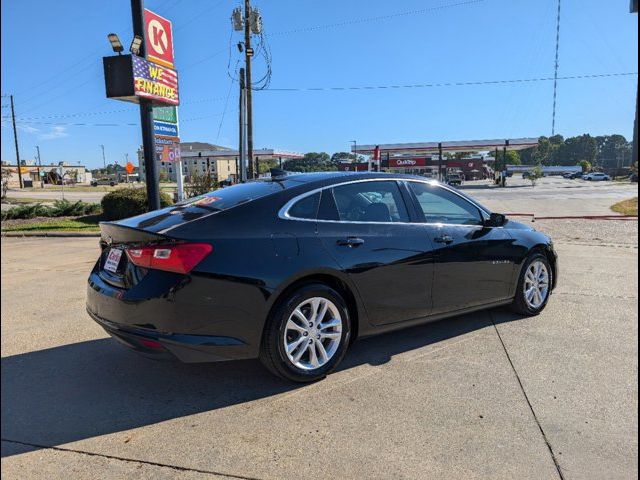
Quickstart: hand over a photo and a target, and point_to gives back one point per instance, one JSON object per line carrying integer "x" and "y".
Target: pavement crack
{"x": 131, "y": 460}
{"x": 526, "y": 397}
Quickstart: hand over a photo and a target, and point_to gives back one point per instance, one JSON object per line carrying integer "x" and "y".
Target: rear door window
{"x": 377, "y": 202}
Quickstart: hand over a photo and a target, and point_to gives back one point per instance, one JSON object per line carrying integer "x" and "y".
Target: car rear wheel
{"x": 307, "y": 335}
{"x": 534, "y": 286}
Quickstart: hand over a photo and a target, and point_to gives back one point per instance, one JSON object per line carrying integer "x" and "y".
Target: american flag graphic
{"x": 155, "y": 81}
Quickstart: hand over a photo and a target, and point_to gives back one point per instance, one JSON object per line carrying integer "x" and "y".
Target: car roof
{"x": 337, "y": 177}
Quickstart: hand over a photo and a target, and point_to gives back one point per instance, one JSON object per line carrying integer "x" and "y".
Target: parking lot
{"x": 486, "y": 395}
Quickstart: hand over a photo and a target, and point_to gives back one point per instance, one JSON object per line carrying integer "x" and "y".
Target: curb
{"x": 50, "y": 234}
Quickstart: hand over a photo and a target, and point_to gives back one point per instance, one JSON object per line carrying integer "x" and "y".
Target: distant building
{"x": 222, "y": 163}
{"x": 32, "y": 173}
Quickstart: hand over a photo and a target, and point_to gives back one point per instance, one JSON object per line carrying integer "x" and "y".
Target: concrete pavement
{"x": 552, "y": 196}
{"x": 487, "y": 395}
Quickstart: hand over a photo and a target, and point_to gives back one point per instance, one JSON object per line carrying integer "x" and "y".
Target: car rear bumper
{"x": 167, "y": 346}
{"x": 194, "y": 321}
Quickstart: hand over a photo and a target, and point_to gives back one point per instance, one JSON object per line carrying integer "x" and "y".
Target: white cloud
{"x": 27, "y": 129}
{"x": 57, "y": 131}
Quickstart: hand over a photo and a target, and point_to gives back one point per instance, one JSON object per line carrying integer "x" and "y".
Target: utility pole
{"x": 104, "y": 159}
{"x": 634, "y": 154}
{"x": 146, "y": 115}
{"x": 39, "y": 167}
{"x": 440, "y": 161}
{"x": 248, "y": 53}
{"x": 15, "y": 138}
{"x": 242, "y": 160}
{"x": 555, "y": 77}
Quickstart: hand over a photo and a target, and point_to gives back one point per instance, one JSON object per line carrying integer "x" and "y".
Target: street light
{"x": 116, "y": 44}
{"x": 136, "y": 43}
{"x": 355, "y": 150}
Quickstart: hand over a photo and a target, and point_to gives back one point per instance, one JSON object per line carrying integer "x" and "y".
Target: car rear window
{"x": 230, "y": 197}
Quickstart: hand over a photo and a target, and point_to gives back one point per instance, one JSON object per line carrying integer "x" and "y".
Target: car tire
{"x": 521, "y": 303}
{"x": 278, "y": 333}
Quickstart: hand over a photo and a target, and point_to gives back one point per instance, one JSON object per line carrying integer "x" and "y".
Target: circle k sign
{"x": 159, "y": 39}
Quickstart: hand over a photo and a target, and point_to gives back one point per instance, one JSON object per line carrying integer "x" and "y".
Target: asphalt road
{"x": 488, "y": 395}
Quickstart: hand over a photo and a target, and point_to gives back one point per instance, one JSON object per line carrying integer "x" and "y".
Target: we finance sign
{"x": 155, "y": 82}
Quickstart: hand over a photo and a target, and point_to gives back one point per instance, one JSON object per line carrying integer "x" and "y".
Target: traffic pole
{"x": 15, "y": 138}
{"x": 146, "y": 116}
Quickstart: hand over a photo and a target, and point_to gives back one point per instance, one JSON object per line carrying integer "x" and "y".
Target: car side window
{"x": 442, "y": 206}
{"x": 306, "y": 208}
{"x": 370, "y": 202}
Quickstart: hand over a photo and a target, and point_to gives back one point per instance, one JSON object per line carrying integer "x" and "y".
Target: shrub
{"x": 25, "y": 211}
{"x": 535, "y": 175}
{"x": 61, "y": 208}
{"x": 128, "y": 202}
{"x": 200, "y": 184}
{"x": 64, "y": 208}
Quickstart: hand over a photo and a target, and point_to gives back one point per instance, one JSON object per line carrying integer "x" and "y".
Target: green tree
{"x": 613, "y": 151}
{"x": 513, "y": 158}
{"x": 575, "y": 149}
{"x": 311, "y": 162}
{"x": 586, "y": 166}
{"x": 342, "y": 157}
{"x": 535, "y": 175}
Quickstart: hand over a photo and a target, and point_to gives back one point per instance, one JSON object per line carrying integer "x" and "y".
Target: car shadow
{"x": 72, "y": 392}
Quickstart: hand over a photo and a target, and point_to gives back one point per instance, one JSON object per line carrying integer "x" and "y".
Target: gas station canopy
{"x": 461, "y": 146}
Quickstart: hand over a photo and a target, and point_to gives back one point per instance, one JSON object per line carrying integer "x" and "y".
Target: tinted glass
{"x": 228, "y": 197}
{"x": 442, "y": 206}
{"x": 328, "y": 209}
{"x": 306, "y": 208}
{"x": 370, "y": 202}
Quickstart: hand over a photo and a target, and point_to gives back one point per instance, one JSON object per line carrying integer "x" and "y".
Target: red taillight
{"x": 178, "y": 258}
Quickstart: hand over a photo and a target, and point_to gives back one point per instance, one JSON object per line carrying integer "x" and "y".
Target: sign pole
{"x": 179, "y": 178}
{"x": 15, "y": 138}
{"x": 146, "y": 117}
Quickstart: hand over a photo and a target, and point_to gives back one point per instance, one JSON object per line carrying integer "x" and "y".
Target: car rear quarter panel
{"x": 258, "y": 255}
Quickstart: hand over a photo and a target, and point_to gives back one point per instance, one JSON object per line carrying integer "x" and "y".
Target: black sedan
{"x": 293, "y": 269}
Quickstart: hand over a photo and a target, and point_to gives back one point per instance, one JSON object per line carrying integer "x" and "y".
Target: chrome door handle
{"x": 351, "y": 242}
{"x": 446, "y": 239}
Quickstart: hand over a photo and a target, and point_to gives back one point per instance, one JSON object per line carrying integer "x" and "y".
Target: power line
{"x": 378, "y": 18}
{"x": 451, "y": 84}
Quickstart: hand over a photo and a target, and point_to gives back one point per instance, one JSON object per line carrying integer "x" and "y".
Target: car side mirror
{"x": 496, "y": 220}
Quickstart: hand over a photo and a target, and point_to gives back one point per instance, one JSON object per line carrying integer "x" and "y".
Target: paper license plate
{"x": 113, "y": 260}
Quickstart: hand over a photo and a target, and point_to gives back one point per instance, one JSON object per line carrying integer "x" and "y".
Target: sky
{"x": 51, "y": 63}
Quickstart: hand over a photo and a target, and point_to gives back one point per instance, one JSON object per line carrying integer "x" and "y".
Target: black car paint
{"x": 398, "y": 277}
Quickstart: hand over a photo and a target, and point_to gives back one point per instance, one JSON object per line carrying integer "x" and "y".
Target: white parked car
{"x": 597, "y": 177}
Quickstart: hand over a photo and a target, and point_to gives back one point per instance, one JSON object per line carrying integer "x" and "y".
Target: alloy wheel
{"x": 313, "y": 333}
{"x": 536, "y": 285}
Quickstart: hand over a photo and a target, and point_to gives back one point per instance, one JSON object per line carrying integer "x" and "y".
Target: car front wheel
{"x": 307, "y": 335}
{"x": 534, "y": 286}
